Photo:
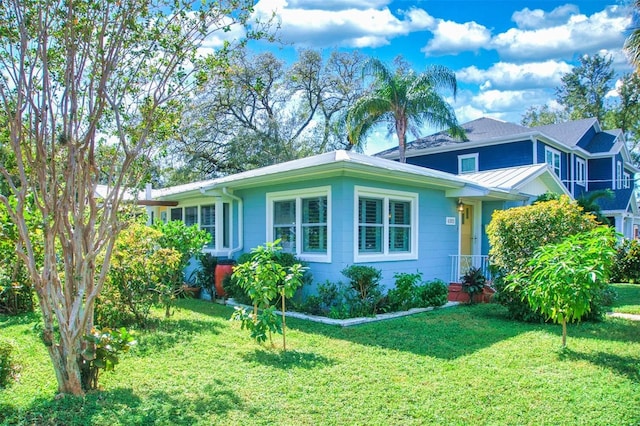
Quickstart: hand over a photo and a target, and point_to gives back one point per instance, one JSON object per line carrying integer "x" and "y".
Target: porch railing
{"x": 460, "y": 265}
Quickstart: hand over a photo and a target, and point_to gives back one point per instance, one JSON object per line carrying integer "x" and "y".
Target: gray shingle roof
{"x": 568, "y": 133}
{"x": 480, "y": 129}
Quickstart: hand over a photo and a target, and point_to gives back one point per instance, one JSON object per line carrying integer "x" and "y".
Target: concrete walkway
{"x": 631, "y": 317}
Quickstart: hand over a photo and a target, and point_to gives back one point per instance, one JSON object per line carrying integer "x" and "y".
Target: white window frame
{"x": 463, "y": 157}
{"x": 618, "y": 175}
{"x": 298, "y": 195}
{"x": 219, "y": 224}
{"x": 626, "y": 180}
{"x": 581, "y": 172}
{"x": 554, "y": 153}
{"x": 386, "y": 195}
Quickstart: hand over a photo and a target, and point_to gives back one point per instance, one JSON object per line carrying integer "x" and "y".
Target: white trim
{"x": 618, "y": 178}
{"x": 463, "y": 157}
{"x": 578, "y": 180}
{"x": 298, "y": 195}
{"x": 385, "y": 195}
{"x": 218, "y": 202}
{"x": 554, "y": 152}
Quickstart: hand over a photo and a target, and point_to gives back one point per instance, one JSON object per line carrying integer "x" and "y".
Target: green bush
{"x": 403, "y": 296}
{"x": 140, "y": 275}
{"x": 516, "y": 233}
{"x": 473, "y": 282}
{"x": 626, "y": 268}
{"x": 432, "y": 293}
{"x": 366, "y": 296}
{"x": 102, "y": 351}
{"x": 284, "y": 259}
{"x": 7, "y": 366}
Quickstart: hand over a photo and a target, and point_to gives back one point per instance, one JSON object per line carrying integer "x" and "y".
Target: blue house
{"x": 580, "y": 154}
{"x": 342, "y": 208}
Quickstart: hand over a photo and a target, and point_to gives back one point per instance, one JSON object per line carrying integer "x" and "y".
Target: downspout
{"x": 240, "y": 221}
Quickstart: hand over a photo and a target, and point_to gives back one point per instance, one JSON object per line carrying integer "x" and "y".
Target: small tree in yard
{"x": 264, "y": 279}
{"x": 566, "y": 277}
{"x": 87, "y": 89}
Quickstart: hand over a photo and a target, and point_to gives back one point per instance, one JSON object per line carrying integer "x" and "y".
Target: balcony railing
{"x": 460, "y": 265}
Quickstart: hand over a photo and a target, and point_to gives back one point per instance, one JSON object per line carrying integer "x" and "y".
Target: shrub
{"x": 366, "y": 295}
{"x": 473, "y": 282}
{"x": 403, "y": 296}
{"x": 141, "y": 273}
{"x": 565, "y": 278}
{"x": 330, "y": 296}
{"x": 432, "y": 293}
{"x": 264, "y": 279}
{"x": 626, "y": 268}
{"x": 7, "y": 366}
{"x": 206, "y": 274}
{"x": 516, "y": 233}
{"x": 102, "y": 351}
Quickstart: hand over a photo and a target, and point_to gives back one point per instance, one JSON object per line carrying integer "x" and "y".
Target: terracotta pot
{"x": 222, "y": 270}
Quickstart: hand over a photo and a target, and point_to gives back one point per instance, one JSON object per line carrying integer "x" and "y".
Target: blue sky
{"x": 507, "y": 55}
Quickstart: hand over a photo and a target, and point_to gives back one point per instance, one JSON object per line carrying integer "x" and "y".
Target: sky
{"x": 508, "y": 55}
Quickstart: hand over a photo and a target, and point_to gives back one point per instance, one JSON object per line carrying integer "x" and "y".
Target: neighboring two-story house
{"x": 583, "y": 156}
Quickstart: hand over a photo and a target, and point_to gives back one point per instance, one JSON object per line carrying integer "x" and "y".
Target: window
{"x": 191, "y": 215}
{"x": 627, "y": 180}
{"x": 301, "y": 220}
{"x": 618, "y": 175}
{"x": 386, "y": 225}
{"x": 208, "y": 222}
{"x": 214, "y": 218}
{"x": 176, "y": 214}
{"x": 467, "y": 163}
{"x": 552, "y": 158}
{"x": 581, "y": 172}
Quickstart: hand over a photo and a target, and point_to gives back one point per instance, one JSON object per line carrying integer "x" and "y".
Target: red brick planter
{"x": 457, "y": 295}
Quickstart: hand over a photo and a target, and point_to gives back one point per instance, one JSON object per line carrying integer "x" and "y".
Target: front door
{"x": 466, "y": 231}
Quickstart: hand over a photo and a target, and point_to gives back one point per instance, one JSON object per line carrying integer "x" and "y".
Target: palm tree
{"x": 405, "y": 101}
{"x": 632, "y": 44}
{"x": 589, "y": 203}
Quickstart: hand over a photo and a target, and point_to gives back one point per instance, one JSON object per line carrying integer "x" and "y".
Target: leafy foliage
{"x": 433, "y": 293}
{"x": 564, "y": 278}
{"x": 405, "y": 101}
{"x": 7, "y": 363}
{"x": 366, "y": 295}
{"x": 626, "y": 268}
{"x": 473, "y": 282}
{"x": 102, "y": 351}
{"x": 206, "y": 274}
{"x": 141, "y": 272}
{"x": 516, "y": 233}
{"x": 264, "y": 280}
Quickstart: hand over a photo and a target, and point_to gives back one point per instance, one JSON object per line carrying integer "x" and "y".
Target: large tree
{"x": 262, "y": 111}
{"x": 73, "y": 73}
{"x": 632, "y": 44}
{"x": 405, "y": 101}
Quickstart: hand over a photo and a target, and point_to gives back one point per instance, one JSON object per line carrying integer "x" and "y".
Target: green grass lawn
{"x": 628, "y": 301}
{"x": 461, "y": 365}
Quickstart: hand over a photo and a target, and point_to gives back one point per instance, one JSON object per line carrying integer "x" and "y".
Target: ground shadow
{"x": 447, "y": 333}
{"x": 170, "y": 333}
{"x": 626, "y": 366}
{"x": 289, "y": 359}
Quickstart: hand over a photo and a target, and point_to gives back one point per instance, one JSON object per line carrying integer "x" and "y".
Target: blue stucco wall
{"x": 489, "y": 157}
{"x": 436, "y": 240}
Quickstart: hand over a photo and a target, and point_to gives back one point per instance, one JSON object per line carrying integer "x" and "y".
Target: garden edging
{"x": 350, "y": 321}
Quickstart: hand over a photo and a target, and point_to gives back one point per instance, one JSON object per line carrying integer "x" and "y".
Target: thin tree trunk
{"x": 284, "y": 327}
{"x": 564, "y": 333}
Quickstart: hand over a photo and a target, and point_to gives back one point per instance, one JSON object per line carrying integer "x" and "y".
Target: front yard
{"x": 461, "y": 365}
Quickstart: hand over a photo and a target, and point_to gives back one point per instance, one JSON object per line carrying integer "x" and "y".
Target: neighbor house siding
{"x": 600, "y": 170}
{"x": 564, "y": 161}
{"x": 587, "y": 137}
{"x": 489, "y": 157}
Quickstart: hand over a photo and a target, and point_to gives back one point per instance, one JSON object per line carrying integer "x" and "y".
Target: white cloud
{"x": 579, "y": 34}
{"x": 313, "y": 23}
{"x": 452, "y": 37}
{"x": 538, "y": 18}
{"x": 504, "y": 75}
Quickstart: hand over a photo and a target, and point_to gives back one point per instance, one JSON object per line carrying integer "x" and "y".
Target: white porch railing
{"x": 460, "y": 264}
